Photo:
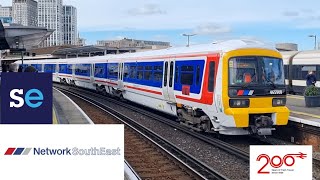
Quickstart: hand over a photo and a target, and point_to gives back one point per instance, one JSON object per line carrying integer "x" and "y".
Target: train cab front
{"x": 256, "y": 93}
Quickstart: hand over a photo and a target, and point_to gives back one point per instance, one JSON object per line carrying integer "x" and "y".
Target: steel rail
{"x": 188, "y": 160}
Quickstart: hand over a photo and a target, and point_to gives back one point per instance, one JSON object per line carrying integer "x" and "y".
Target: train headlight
{"x": 279, "y": 101}
{"x": 239, "y": 103}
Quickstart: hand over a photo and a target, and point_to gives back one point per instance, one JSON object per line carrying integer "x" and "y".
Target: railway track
{"x": 231, "y": 147}
{"x": 150, "y": 154}
{"x": 238, "y": 152}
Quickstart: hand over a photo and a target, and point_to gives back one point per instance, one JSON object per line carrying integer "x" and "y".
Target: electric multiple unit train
{"x": 234, "y": 87}
{"x": 297, "y": 64}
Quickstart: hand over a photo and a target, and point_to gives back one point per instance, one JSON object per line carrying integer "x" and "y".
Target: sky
{"x": 271, "y": 21}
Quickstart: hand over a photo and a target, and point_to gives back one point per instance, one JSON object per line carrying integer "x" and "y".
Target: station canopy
{"x": 90, "y": 49}
{"x": 3, "y": 42}
{"x": 15, "y": 36}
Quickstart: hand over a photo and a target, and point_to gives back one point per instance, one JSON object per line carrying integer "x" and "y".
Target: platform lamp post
{"x": 315, "y": 41}
{"x": 188, "y": 35}
{"x": 19, "y": 47}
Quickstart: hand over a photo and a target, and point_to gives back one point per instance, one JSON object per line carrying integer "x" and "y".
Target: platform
{"x": 129, "y": 173}
{"x": 65, "y": 111}
{"x": 302, "y": 114}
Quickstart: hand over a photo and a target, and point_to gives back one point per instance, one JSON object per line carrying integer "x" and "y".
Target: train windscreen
{"x": 255, "y": 71}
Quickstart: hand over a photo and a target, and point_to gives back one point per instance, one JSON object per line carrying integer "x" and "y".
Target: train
{"x": 297, "y": 64}
{"x": 232, "y": 87}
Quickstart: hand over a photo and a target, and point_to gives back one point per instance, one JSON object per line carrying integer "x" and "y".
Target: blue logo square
{"x": 26, "y": 98}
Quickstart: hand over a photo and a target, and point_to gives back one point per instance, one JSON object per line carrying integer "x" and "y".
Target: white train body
{"x": 192, "y": 83}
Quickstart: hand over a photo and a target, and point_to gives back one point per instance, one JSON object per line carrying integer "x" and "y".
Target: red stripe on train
{"x": 83, "y": 78}
{"x": 106, "y": 82}
{"x": 65, "y": 75}
{"x": 145, "y": 90}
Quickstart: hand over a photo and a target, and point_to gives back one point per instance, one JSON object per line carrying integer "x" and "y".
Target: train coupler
{"x": 262, "y": 126}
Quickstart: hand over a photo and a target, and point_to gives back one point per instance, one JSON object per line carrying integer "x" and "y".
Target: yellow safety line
{"x": 295, "y": 97}
{"x": 54, "y": 117}
{"x": 305, "y": 114}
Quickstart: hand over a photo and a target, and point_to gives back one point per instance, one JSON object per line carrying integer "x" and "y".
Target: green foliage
{"x": 311, "y": 91}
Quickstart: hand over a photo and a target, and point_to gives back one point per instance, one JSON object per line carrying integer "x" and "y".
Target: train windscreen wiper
{"x": 271, "y": 82}
{"x": 246, "y": 84}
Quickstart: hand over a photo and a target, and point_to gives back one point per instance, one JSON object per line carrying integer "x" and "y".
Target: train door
{"x": 92, "y": 72}
{"x": 120, "y": 75}
{"x": 167, "y": 87}
{"x": 55, "y": 72}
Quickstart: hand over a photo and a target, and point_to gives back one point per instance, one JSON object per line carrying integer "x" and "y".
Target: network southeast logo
{"x": 275, "y": 162}
{"x": 17, "y": 151}
{"x": 75, "y": 151}
{"x": 26, "y": 98}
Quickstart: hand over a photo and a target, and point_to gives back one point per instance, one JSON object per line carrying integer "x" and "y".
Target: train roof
{"x": 308, "y": 54}
{"x": 286, "y": 55}
{"x": 219, "y": 46}
{"x": 302, "y": 57}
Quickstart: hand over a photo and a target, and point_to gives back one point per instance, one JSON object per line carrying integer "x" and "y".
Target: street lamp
{"x": 188, "y": 35}
{"x": 315, "y": 41}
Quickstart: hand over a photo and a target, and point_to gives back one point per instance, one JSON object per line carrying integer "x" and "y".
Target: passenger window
{"x": 140, "y": 75}
{"x": 158, "y": 68}
{"x": 132, "y": 72}
{"x": 165, "y": 74}
{"x": 186, "y": 76}
{"x": 211, "y": 77}
{"x": 157, "y": 73}
{"x": 69, "y": 68}
{"x": 171, "y": 74}
{"x": 121, "y": 75}
{"x": 113, "y": 70}
{"x": 198, "y": 75}
{"x": 126, "y": 71}
{"x": 157, "y": 76}
{"x": 187, "y": 68}
{"x": 176, "y": 74}
{"x": 147, "y": 75}
{"x": 286, "y": 71}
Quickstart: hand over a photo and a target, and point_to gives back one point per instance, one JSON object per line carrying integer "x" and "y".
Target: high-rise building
{"x": 5, "y": 11}
{"x": 125, "y": 42}
{"x": 70, "y": 25}
{"x": 50, "y": 15}
{"x": 6, "y": 14}
{"x": 25, "y": 12}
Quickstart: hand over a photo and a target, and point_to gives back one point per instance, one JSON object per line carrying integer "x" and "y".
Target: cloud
{"x": 119, "y": 37}
{"x": 314, "y": 18}
{"x": 250, "y": 37}
{"x": 291, "y": 13}
{"x": 308, "y": 22}
{"x": 211, "y": 29}
{"x": 161, "y": 37}
{"x": 147, "y": 9}
{"x": 307, "y": 10}
{"x": 308, "y": 25}
{"x": 305, "y": 18}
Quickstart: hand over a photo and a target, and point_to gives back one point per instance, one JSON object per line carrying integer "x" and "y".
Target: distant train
{"x": 296, "y": 66}
{"x": 234, "y": 87}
